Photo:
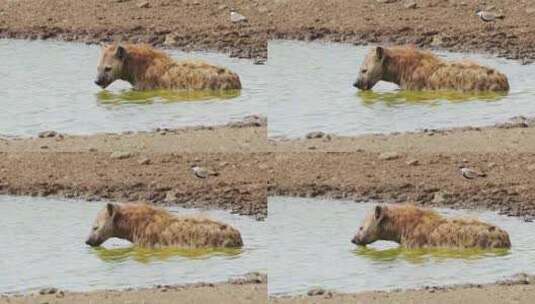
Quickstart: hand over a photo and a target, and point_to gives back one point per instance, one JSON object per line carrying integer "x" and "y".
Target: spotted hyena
{"x": 414, "y": 227}
{"x": 148, "y": 226}
{"x": 412, "y": 69}
{"x": 147, "y": 68}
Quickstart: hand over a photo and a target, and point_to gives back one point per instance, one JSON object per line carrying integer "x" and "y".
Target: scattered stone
{"x": 170, "y": 40}
{"x": 144, "y": 161}
{"x": 121, "y": 155}
{"x": 531, "y": 168}
{"x": 47, "y": 291}
{"x": 413, "y": 162}
{"x": 143, "y": 4}
{"x": 316, "y": 292}
{"x": 389, "y": 156}
{"x": 47, "y": 134}
{"x": 441, "y": 197}
{"x": 44, "y": 147}
{"x": 236, "y": 17}
{"x": 410, "y": 5}
{"x": 202, "y": 172}
{"x": 313, "y": 135}
{"x": 386, "y": 1}
{"x": 530, "y": 10}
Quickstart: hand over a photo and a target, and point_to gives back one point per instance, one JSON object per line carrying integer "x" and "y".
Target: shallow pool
{"x": 42, "y": 245}
{"x": 320, "y": 95}
{"x": 49, "y": 85}
{"x": 310, "y": 246}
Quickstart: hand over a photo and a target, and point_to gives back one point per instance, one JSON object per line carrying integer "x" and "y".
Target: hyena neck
{"x": 128, "y": 225}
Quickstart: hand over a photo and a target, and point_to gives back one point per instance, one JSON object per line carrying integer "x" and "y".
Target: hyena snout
{"x": 361, "y": 84}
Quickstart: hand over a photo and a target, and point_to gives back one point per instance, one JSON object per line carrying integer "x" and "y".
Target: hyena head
{"x": 372, "y": 69}
{"x": 104, "y": 226}
{"x": 110, "y": 66}
{"x": 371, "y": 228}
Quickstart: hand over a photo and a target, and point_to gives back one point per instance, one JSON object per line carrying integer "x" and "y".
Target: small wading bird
{"x": 489, "y": 17}
{"x": 469, "y": 173}
{"x": 236, "y": 17}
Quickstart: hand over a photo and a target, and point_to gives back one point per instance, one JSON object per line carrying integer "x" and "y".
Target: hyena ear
{"x": 380, "y": 51}
{"x": 112, "y": 209}
{"x": 120, "y": 53}
{"x": 379, "y": 212}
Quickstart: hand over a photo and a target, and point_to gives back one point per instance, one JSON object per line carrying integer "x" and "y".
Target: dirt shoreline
{"x": 252, "y": 288}
{"x": 420, "y": 167}
{"x": 206, "y": 25}
{"x": 518, "y": 290}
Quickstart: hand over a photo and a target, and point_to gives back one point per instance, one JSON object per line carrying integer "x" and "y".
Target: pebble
{"x": 413, "y": 162}
{"x": 46, "y": 291}
{"x": 144, "y": 161}
{"x": 144, "y": 4}
{"x": 121, "y": 155}
{"x": 410, "y": 5}
{"x": 47, "y": 134}
{"x": 312, "y": 135}
{"x": 389, "y": 156}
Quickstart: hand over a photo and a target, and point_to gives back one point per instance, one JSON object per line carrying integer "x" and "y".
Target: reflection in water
{"x": 164, "y": 96}
{"x": 147, "y": 255}
{"x": 309, "y": 246}
{"x": 426, "y": 255}
{"x": 428, "y": 97}
{"x": 35, "y": 228}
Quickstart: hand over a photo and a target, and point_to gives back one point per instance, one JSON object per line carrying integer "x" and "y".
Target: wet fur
{"x": 413, "y": 69}
{"x": 147, "y": 68}
{"x": 148, "y": 226}
{"x": 414, "y": 227}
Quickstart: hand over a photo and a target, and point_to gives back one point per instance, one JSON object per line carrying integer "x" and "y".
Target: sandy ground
{"x": 243, "y": 136}
{"x": 205, "y": 24}
{"x": 250, "y": 290}
{"x": 415, "y": 167}
{"x": 517, "y": 292}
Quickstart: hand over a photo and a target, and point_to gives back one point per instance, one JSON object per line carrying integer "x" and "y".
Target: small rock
{"x": 143, "y": 4}
{"x": 389, "y": 156}
{"x": 44, "y": 147}
{"x": 47, "y": 134}
{"x": 201, "y": 172}
{"x": 312, "y": 135}
{"x": 316, "y": 292}
{"x": 46, "y": 291}
{"x": 144, "y": 161}
{"x": 170, "y": 40}
{"x": 531, "y": 168}
{"x": 410, "y": 5}
{"x": 441, "y": 197}
{"x": 530, "y": 10}
{"x": 413, "y": 162}
{"x": 121, "y": 155}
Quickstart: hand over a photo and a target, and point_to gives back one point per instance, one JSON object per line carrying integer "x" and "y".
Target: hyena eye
{"x": 95, "y": 228}
{"x": 364, "y": 70}
{"x": 360, "y": 228}
{"x": 107, "y": 69}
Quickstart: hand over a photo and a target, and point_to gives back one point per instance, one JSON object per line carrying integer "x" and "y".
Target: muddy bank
{"x": 450, "y": 25}
{"x": 519, "y": 290}
{"x": 206, "y": 25}
{"x": 252, "y": 288}
{"x": 246, "y": 135}
{"x": 188, "y": 25}
{"x": 235, "y": 181}
{"x": 419, "y": 167}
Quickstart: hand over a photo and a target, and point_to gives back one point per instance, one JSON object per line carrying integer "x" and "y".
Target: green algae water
{"x": 320, "y": 95}
{"x": 42, "y": 245}
{"x": 310, "y": 246}
{"x": 49, "y": 85}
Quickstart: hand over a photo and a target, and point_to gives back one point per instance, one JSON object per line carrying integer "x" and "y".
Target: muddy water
{"x": 310, "y": 247}
{"x": 42, "y": 245}
{"x": 320, "y": 95}
{"x": 49, "y": 86}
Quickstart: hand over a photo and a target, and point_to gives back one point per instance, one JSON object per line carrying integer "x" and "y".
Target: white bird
{"x": 488, "y": 16}
{"x": 201, "y": 172}
{"x": 236, "y": 17}
{"x": 469, "y": 173}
